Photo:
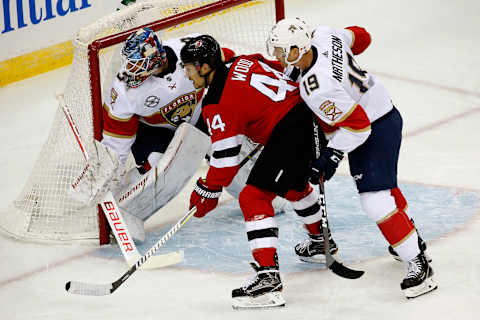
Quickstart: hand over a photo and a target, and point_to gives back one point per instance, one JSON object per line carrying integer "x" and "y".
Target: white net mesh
{"x": 44, "y": 211}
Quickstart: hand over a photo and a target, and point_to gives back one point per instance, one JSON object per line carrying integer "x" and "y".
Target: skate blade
{"x": 397, "y": 258}
{"x": 267, "y": 300}
{"x": 318, "y": 258}
{"x": 423, "y": 288}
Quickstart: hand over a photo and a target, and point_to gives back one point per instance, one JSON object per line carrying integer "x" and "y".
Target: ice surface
{"x": 426, "y": 53}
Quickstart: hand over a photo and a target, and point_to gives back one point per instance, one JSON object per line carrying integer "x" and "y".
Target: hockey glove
{"x": 204, "y": 197}
{"x": 326, "y": 164}
{"x": 104, "y": 172}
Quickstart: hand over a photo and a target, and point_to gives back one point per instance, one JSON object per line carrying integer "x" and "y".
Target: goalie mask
{"x": 287, "y": 34}
{"x": 141, "y": 54}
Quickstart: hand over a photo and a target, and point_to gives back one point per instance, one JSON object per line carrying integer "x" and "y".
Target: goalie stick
{"x": 112, "y": 212}
{"x": 90, "y": 289}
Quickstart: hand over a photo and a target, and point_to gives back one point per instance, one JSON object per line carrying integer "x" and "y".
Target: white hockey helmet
{"x": 289, "y": 33}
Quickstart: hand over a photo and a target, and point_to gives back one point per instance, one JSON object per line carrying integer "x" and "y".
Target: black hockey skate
{"x": 261, "y": 291}
{"x": 419, "y": 279}
{"x": 313, "y": 249}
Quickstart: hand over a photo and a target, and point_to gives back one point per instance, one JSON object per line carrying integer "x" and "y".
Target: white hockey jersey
{"x": 163, "y": 101}
{"x": 346, "y": 98}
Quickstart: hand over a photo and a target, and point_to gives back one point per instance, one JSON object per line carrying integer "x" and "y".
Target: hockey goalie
{"x": 152, "y": 112}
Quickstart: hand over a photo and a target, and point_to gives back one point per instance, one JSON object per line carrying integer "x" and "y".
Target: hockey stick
{"x": 90, "y": 289}
{"x": 332, "y": 264}
{"x": 112, "y": 212}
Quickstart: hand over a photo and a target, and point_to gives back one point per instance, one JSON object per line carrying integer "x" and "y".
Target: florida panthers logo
{"x": 180, "y": 110}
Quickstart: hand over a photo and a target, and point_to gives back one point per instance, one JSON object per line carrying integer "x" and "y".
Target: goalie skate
{"x": 419, "y": 279}
{"x": 313, "y": 249}
{"x": 261, "y": 291}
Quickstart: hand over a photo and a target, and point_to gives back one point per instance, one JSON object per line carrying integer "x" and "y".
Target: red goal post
{"x": 44, "y": 211}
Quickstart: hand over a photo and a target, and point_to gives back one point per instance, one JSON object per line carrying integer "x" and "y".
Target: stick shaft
{"x": 82, "y": 288}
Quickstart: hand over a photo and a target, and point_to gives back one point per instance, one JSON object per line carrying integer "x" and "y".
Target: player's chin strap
{"x": 332, "y": 264}
{"x": 91, "y": 289}
{"x": 291, "y": 63}
{"x": 205, "y": 77}
{"x": 215, "y": 68}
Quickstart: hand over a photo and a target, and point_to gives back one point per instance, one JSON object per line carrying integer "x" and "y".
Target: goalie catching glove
{"x": 204, "y": 197}
{"x": 326, "y": 164}
{"x": 102, "y": 173}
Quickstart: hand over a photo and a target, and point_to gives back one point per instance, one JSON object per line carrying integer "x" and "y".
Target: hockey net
{"x": 44, "y": 212}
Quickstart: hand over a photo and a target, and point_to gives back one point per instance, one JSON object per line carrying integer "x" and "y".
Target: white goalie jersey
{"x": 346, "y": 98}
{"x": 164, "y": 100}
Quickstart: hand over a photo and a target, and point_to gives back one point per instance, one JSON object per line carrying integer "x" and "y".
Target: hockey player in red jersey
{"x": 356, "y": 111}
{"x": 250, "y": 99}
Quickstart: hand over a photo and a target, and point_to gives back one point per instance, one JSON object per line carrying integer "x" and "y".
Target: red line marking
{"x": 440, "y": 87}
{"x": 441, "y": 122}
{"x": 42, "y": 269}
{"x": 429, "y": 84}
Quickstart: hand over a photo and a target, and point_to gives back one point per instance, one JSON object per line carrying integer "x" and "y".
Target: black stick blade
{"x": 345, "y": 272}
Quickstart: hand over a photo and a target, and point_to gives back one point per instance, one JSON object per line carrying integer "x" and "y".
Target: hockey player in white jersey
{"x": 356, "y": 112}
{"x": 149, "y": 99}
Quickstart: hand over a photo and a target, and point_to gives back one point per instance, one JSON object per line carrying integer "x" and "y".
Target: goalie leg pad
{"x": 135, "y": 226}
{"x": 165, "y": 180}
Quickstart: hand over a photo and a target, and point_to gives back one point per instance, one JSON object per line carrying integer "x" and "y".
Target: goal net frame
{"x": 37, "y": 214}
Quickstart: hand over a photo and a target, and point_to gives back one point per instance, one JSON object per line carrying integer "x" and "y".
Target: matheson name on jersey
{"x": 337, "y": 58}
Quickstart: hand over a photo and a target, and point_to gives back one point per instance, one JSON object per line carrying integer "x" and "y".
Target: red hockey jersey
{"x": 255, "y": 97}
